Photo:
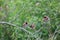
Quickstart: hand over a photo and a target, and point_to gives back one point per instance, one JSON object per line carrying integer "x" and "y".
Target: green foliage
{"x": 13, "y": 14}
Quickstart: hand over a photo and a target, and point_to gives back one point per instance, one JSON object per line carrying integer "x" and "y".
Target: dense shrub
{"x": 29, "y": 19}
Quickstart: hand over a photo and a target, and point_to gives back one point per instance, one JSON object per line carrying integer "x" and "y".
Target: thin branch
{"x": 15, "y": 26}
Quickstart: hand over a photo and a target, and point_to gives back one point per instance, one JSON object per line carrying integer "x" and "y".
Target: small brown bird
{"x": 25, "y": 24}
{"x": 46, "y": 18}
{"x": 32, "y": 26}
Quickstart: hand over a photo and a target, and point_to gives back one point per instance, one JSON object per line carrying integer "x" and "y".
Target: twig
{"x": 15, "y": 26}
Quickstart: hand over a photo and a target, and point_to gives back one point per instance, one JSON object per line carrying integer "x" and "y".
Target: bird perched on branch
{"x": 32, "y": 26}
{"x": 25, "y": 24}
{"x": 46, "y": 18}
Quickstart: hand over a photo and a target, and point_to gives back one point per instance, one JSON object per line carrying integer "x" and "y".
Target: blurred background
{"x": 29, "y": 19}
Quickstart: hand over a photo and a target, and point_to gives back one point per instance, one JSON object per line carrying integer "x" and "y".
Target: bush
{"x": 30, "y": 20}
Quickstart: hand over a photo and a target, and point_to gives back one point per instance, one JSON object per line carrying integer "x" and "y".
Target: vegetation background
{"x": 29, "y": 19}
